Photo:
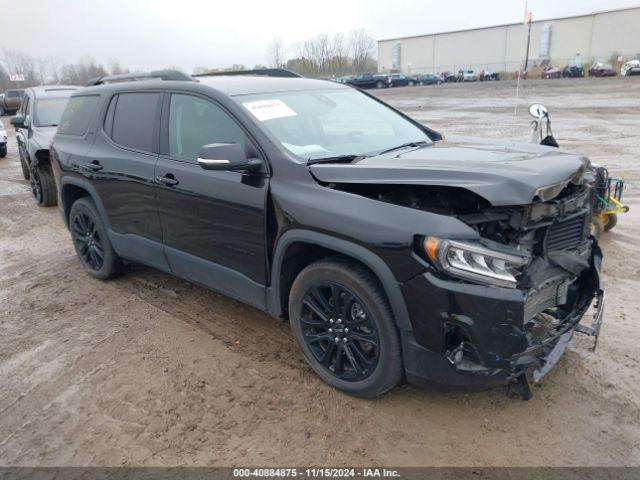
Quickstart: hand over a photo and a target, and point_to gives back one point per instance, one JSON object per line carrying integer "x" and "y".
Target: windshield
{"x": 49, "y": 111}
{"x": 316, "y": 124}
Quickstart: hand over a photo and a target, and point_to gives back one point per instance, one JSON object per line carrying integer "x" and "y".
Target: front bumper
{"x": 477, "y": 337}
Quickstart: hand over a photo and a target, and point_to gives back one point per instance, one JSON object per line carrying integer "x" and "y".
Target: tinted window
{"x": 15, "y": 93}
{"x": 49, "y": 111}
{"x": 133, "y": 120}
{"x": 194, "y": 122}
{"x": 76, "y": 117}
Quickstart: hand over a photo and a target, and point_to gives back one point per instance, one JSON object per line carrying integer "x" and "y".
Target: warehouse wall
{"x": 595, "y": 37}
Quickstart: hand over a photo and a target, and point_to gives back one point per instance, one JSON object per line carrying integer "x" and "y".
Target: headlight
{"x": 475, "y": 262}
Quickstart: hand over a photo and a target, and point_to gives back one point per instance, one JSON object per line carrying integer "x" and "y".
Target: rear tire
{"x": 43, "y": 185}
{"x": 333, "y": 299}
{"x": 379, "y": 84}
{"x": 91, "y": 241}
{"x": 3, "y": 151}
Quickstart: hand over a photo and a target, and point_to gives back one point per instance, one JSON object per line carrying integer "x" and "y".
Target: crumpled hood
{"x": 503, "y": 172}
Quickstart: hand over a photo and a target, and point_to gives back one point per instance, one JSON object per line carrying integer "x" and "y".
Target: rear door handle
{"x": 167, "y": 180}
{"x": 93, "y": 166}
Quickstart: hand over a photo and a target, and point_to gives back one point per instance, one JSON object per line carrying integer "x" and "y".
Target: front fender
{"x": 368, "y": 258}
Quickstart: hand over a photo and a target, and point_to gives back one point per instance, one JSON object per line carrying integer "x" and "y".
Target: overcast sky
{"x": 146, "y": 34}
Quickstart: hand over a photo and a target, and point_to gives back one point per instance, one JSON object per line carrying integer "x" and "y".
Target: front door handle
{"x": 93, "y": 166}
{"x": 167, "y": 180}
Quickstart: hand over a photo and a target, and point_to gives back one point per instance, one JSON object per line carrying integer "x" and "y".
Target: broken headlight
{"x": 473, "y": 261}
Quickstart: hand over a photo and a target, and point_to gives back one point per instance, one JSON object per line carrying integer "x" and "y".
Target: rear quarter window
{"x": 134, "y": 119}
{"x": 78, "y": 114}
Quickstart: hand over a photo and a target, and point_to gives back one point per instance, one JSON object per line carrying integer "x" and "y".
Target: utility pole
{"x": 527, "y": 21}
{"x": 526, "y": 58}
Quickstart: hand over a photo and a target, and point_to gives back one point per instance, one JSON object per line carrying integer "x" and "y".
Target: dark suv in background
{"x": 392, "y": 252}
{"x": 36, "y": 123}
{"x": 368, "y": 80}
{"x": 10, "y": 101}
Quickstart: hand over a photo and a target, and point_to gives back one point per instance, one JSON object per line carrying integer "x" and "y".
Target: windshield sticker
{"x": 269, "y": 109}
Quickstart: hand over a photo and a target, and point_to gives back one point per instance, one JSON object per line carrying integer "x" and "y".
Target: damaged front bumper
{"x": 476, "y": 337}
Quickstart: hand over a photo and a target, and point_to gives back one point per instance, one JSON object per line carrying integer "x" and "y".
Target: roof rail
{"x": 154, "y": 75}
{"x": 264, "y": 72}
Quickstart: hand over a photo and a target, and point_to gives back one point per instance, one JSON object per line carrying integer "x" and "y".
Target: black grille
{"x": 567, "y": 233}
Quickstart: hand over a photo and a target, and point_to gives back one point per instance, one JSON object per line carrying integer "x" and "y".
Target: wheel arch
{"x": 72, "y": 189}
{"x": 318, "y": 245}
{"x": 42, "y": 156}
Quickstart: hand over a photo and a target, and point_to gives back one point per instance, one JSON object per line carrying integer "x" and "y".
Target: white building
{"x": 560, "y": 41}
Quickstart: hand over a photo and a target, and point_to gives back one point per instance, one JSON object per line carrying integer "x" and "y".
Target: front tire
{"x": 3, "y": 151}
{"x": 26, "y": 173}
{"x": 91, "y": 241}
{"x": 379, "y": 84}
{"x": 343, "y": 324}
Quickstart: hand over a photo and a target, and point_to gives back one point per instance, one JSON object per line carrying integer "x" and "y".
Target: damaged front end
{"x": 507, "y": 303}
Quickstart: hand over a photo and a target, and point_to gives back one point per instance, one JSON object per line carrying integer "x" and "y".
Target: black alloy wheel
{"x": 91, "y": 240}
{"x": 344, "y": 325}
{"x": 87, "y": 241}
{"x": 339, "y": 331}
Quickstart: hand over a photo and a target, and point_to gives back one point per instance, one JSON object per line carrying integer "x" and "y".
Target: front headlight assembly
{"x": 473, "y": 261}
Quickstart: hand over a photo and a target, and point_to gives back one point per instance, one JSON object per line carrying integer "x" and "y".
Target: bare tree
{"x": 341, "y": 61}
{"x": 276, "y": 53}
{"x": 361, "y": 49}
{"x": 115, "y": 68}
{"x": 18, "y": 62}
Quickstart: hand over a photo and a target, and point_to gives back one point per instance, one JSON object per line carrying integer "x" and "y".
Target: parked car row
{"x": 598, "y": 69}
{"x": 388, "y": 80}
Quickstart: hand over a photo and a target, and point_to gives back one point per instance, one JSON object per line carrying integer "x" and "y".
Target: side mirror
{"x": 226, "y": 156}
{"x": 17, "y": 121}
{"x": 538, "y": 110}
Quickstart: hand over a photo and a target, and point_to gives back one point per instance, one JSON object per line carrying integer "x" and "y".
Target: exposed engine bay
{"x": 522, "y": 227}
{"x": 553, "y": 234}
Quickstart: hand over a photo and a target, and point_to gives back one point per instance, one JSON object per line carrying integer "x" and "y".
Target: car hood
{"x": 502, "y": 172}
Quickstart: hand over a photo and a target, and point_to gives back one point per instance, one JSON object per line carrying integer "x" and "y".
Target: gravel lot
{"x": 150, "y": 370}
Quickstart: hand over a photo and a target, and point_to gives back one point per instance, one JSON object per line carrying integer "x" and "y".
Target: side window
{"x": 134, "y": 118}
{"x": 194, "y": 122}
{"x": 77, "y": 115}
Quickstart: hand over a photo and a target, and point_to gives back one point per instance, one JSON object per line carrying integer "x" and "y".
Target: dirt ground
{"x": 150, "y": 370}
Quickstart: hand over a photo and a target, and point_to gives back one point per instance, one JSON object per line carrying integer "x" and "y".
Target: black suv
{"x": 36, "y": 124}
{"x": 391, "y": 251}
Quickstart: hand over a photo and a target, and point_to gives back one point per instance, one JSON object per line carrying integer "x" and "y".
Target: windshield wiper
{"x": 405, "y": 145}
{"x": 336, "y": 159}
